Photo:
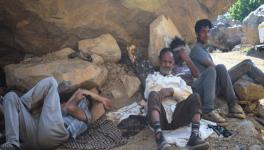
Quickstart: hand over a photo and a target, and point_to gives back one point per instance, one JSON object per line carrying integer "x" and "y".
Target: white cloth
{"x": 169, "y": 106}
{"x": 156, "y": 81}
{"x": 178, "y": 137}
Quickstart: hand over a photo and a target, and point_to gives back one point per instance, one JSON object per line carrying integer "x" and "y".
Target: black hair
{"x": 201, "y": 24}
{"x": 2, "y": 78}
{"x": 164, "y": 51}
{"x": 176, "y": 42}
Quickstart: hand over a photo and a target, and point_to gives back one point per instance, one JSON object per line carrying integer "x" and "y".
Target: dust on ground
{"x": 230, "y": 59}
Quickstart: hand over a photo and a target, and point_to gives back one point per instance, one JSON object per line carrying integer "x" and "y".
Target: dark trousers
{"x": 183, "y": 113}
{"x": 214, "y": 81}
{"x": 246, "y": 67}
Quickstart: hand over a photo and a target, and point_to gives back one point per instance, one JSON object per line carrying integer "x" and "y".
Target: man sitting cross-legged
{"x": 36, "y": 121}
{"x": 163, "y": 84}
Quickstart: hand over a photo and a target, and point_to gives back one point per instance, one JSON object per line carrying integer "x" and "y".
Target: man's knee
{"x": 154, "y": 102}
{"x": 153, "y": 95}
{"x": 195, "y": 99}
{"x": 52, "y": 82}
{"x": 211, "y": 71}
{"x": 247, "y": 64}
{"x": 11, "y": 98}
{"x": 247, "y": 61}
{"x": 49, "y": 82}
{"x": 221, "y": 68}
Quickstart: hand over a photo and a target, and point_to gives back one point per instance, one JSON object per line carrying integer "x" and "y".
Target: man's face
{"x": 166, "y": 63}
{"x": 203, "y": 34}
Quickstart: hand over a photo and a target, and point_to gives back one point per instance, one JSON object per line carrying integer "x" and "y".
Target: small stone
{"x": 261, "y": 108}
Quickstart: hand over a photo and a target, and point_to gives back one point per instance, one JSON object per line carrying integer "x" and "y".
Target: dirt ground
{"x": 230, "y": 59}
{"x": 247, "y": 134}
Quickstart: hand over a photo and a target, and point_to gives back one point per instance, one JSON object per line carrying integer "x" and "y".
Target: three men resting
{"x": 38, "y": 121}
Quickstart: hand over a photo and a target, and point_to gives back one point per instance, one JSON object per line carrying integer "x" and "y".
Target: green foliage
{"x": 241, "y": 8}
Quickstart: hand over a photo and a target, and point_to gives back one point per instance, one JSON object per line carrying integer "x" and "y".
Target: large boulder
{"x": 104, "y": 46}
{"x": 248, "y": 91}
{"x": 70, "y": 73}
{"x": 162, "y": 31}
{"x": 250, "y": 26}
{"x": 226, "y": 37}
{"x": 122, "y": 86}
{"x": 47, "y": 25}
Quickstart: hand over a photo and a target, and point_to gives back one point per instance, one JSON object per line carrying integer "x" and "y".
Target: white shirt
{"x": 156, "y": 81}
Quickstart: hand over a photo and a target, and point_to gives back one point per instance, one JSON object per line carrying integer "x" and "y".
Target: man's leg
{"x": 34, "y": 98}
{"x": 19, "y": 123}
{"x": 186, "y": 112}
{"x": 51, "y": 130}
{"x": 224, "y": 85}
{"x": 205, "y": 86}
{"x": 246, "y": 67}
{"x": 156, "y": 117}
{"x": 225, "y": 88}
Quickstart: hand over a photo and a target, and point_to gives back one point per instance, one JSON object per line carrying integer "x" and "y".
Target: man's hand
{"x": 107, "y": 103}
{"x": 165, "y": 92}
{"x": 184, "y": 56}
{"x": 79, "y": 94}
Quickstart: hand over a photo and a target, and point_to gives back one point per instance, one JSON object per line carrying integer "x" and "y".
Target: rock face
{"x": 248, "y": 91}
{"x": 47, "y": 25}
{"x": 225, "y": 38}
{"x": 162, "y": 31}
{"x": 250, "y": 26}
{"x": 70, "y": 73}
{"x": 104, "y": 46}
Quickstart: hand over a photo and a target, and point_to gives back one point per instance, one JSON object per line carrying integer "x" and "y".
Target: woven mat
{"x": 101, "y": 135}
